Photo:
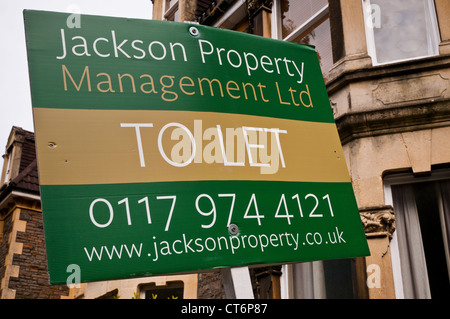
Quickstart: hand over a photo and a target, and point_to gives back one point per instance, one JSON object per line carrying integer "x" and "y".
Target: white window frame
{"x": 276, "y": 22}
{"x": 398, "y": 179}
{"x": 7, "y": 162}
{"x": 169, "y": 11}
{"x": 370, "y": 39}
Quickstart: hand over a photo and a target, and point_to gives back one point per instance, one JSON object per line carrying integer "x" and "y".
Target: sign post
{"x": 168, "y": 147}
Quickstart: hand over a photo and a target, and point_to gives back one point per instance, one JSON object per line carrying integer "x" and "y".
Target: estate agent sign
{"x": 171, "y": 147}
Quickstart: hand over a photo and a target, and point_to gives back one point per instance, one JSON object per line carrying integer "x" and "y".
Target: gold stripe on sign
{"x": 122, "y": 146}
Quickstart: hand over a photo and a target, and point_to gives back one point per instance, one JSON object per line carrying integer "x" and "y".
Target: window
{"x": 307, "y": 22}
{"x": 295, "y": 14}
{"x": 327, "y": 279}
{"x": 171, "y": 10}
{"x": 399, "y": 30}
{"x": 113, "y": 294}
{"x": 7, "y": 168}
{"x": 420, "y": 244}
{"x": 173, "y": 290}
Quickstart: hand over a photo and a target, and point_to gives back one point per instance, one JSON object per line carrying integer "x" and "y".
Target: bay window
{"x": 399, "y": 30}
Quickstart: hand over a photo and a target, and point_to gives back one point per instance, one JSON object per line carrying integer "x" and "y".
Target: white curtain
{"x": 412, "y": 256}
{"x": 445, "y": 195}
{"x": 309, "y": 280}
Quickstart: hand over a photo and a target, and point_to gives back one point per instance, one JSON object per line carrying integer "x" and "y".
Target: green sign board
{"x": 171, "y": 147}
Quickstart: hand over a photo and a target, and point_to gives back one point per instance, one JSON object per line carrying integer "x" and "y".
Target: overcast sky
{"x": 15, "y": 99}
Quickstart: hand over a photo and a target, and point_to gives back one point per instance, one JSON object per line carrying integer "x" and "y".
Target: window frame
{"x": 7, "y": 162}
{"x": 171, "y": 10}
{"x": 302, "y": 30}
{"x": 149, "y": 287}
{"x": 370, "y": 38}
{"x": 399, "y": 179}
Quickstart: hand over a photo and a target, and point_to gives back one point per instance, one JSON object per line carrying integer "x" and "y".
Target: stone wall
{"x": 210, "y": 286}
{"x": 32, "y": 281}
{"x": 5, "y": 228}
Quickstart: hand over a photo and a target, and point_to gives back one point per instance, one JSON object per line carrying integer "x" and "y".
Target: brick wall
{"x": 4, "y": 245}
{"x": 210, "y": 286}
{"x": 33, "y": 281}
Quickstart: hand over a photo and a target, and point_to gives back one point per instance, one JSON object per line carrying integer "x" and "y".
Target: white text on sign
{"x": 190, "y": 145}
